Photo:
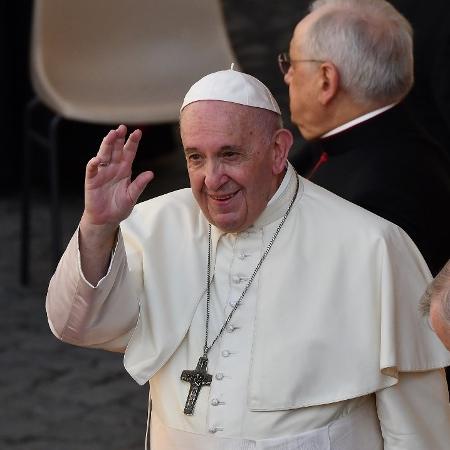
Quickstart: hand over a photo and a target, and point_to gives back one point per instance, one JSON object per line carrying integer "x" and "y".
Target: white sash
{"x": 359, "y": 430}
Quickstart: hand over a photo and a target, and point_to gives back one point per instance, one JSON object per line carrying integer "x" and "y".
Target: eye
{"x": 194, "y": 159}
{"x": 230, "y": 154}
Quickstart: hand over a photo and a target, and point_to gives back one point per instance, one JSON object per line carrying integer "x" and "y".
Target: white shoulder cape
{"x": 337, "y": 313}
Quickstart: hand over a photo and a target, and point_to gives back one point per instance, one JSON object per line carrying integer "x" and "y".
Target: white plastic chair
{"x": 114, "y": 61}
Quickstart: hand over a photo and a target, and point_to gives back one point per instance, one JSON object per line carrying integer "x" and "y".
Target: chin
{"x": 301, "y": 128}
{"x": 307, "y": 136}
{"x": 229, "y": 226}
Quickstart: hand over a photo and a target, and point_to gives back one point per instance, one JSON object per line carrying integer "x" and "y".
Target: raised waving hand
{"x": 110, "y": 196}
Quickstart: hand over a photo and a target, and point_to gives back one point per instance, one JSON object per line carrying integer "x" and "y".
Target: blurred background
{"x": 54, "y": 396}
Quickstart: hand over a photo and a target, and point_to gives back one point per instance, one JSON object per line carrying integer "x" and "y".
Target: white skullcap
{"x": 232, "y": 86}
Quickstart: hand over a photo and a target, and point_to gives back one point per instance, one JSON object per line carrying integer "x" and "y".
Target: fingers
{"x": 113, "y": 147}
{"x": 121, "y": 131}
{"x": 107, "y": 146}
{"x": 136, "y": 188}
{"x": 92, "y": 167}
{"x": 132, "y": 145}
{"x": 117, "y": 149}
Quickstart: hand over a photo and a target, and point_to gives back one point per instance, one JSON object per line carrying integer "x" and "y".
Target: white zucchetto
{"x": 232, "y": 86}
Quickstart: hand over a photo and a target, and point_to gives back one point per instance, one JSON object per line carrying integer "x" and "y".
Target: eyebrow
{"x": 223, "y": 148}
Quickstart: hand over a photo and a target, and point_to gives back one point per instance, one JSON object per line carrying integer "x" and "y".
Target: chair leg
{"x": 51, "y": 144}
{"x": 26, "y": 204}
{"x": 54, "y": 191}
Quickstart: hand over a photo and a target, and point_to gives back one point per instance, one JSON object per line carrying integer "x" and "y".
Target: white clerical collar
{"x": 276, "y": 207}
{"x": 279, "y": 202}
{"x": 359, "y": 119}
{"x": 282, "y": 186}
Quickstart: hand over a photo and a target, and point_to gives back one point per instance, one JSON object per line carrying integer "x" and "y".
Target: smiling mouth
{"x": 222, "y": 198}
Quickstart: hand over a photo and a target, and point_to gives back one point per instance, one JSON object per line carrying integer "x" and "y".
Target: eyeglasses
{"x": 284, "y": 62}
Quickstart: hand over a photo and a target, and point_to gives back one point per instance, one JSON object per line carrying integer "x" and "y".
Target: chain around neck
{"x": 207, "y": 347}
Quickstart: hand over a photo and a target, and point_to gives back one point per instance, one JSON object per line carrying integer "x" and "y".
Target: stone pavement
{"x": 54, "y": 396}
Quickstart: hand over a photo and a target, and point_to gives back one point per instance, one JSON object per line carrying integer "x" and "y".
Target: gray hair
{"x": 369, "y": 42}
{"x": 440, "y": 286}
{"x": 266, "y": 122}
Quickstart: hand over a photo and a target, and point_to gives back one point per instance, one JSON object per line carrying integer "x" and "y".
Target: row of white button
{"x": 243, "y": 255}
{"x": 216, "y": 402}
{"x": 237, "y": 279}
{"x": 220, "y": 376}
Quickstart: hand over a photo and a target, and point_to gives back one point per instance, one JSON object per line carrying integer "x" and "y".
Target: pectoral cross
{"x": 197, "y": 378}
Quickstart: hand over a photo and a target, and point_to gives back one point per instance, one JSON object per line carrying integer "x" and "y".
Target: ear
{"x": 282, "y": 143}
{"x": 328, "y": 82}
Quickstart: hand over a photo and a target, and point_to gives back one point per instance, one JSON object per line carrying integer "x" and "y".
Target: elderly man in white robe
{"x": 264, "y": 311}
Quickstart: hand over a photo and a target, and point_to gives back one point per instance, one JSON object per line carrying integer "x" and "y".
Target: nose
{"x": 215, "y": 176}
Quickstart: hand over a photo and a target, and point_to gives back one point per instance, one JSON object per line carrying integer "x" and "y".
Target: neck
{"x": 346, "y": 110}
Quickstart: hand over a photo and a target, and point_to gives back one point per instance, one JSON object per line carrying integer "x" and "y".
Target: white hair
{"x": 440, "y": 286}
{"x": 369, "y": 42}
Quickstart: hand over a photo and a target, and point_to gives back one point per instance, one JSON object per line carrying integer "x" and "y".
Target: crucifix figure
{"x": 197, "y": 378}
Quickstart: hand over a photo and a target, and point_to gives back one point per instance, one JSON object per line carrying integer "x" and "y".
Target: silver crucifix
{"x": 197, "y": 378}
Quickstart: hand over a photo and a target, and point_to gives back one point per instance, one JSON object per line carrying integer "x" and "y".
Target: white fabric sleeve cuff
{"x": 113, "y": 252}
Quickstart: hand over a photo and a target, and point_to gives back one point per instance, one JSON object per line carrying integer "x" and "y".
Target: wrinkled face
{"x": 440, "y": 325}
{"x": 302, "y": 80}
{"x": 230, "y": 163}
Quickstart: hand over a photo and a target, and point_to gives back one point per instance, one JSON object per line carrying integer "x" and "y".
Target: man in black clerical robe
{"x": 349, "y": 69}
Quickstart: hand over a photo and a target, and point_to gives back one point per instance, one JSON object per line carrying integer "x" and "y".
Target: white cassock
{"x": 328, "y": 349}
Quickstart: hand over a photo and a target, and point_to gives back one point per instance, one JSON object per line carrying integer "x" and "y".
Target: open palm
{"x": 110, "y": 195}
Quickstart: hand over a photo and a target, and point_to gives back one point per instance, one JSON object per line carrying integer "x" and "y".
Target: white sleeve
{"x": 102, "y": 316}
{"x": 414, "y": 414}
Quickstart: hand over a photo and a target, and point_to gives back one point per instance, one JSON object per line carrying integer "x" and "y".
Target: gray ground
{"x": 54, "y": 396}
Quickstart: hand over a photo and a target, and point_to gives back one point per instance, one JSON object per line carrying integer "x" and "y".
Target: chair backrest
{"x": 111, "y": 61}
